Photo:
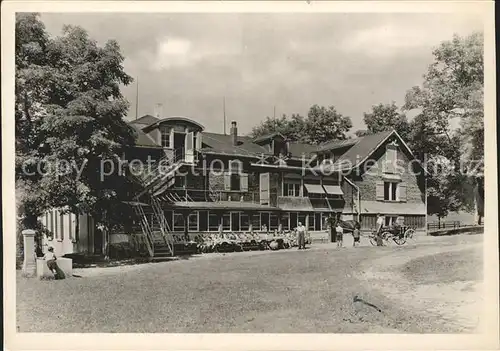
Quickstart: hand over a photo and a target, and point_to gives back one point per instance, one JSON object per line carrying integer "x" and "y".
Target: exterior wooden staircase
{"x": 155, "y": 181}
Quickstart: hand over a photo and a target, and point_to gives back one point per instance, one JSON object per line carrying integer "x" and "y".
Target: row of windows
{"x": 238, "y": 221}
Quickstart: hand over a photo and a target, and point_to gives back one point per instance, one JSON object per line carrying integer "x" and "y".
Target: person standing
{"x": 340, "y": 235}
{"x": 380, "y": 224}
{"x": 355, "y": 235}
{"x": 331, "y": 227}
{"x": 301, "y": 236}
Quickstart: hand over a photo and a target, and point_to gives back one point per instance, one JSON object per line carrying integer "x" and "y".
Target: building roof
{"x": 221, "y": 143}
{"x": 265, "y": 137}
{"x": 358, "y": 152}
{"x": 146, "y": 120}
{"x": 143, "y": 139}
{"x": 352, "y": 152}
{"x": 297, "y": 149}
{"x": 337, "y": 144}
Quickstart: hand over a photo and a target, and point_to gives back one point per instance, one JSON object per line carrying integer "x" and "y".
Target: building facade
{"x": 216, "y": 183}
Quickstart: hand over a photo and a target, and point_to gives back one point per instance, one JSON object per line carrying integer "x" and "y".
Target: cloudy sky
{"x": 189, "y": 62}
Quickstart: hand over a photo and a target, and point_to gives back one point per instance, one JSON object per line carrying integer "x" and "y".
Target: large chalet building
{"x": 217, "y": 183}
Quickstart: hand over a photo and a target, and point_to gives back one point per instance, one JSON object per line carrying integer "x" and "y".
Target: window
{"x": 245, "y": 224}
{"x": 390, "y": 191}
{"x": 178, "y": 222}
{"x": 203, "y": 223}
{"x": 235, "y": 221}
{"x": 285, "y": 221}
{"x": 213, "y": 222}
{"x": 291, "y": 189}
{"x": 193, "y": 221}
{"x": 255, "y": 220}
{"x": 311, "y": 222}
{"x": 235, "y": 182}
{"x": 165, "y": 137}
{"x": 391, "y": 157}
{"x": 226, "y": 222}
{"x": 273, "y": 222}
{"x": 264, "y": 220}
{"x": 235, "y": 168}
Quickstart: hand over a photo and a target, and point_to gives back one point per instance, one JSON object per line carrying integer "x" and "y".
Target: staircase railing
{"x": 146, "y": 228}
{"x": 162, "y": 221}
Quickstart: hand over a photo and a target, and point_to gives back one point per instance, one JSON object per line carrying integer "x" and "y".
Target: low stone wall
{"x": 472, "y": 230}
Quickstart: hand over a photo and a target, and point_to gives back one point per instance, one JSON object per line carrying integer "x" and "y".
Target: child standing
{"x": 356, "y": 236}
{"x": 340, "y": 235}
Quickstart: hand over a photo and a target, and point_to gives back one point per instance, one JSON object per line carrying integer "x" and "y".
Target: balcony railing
{"x": 225, "y": 195}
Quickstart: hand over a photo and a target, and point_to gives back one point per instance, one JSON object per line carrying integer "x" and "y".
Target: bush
{"x": 120, "y": 251}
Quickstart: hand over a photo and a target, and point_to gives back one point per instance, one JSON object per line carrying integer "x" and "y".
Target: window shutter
{"x": 264, "y": 188}
{"x": 402, "y": 192}
{"x": 380, "y": 190}
{"x": 227, "y": 181}
{"x": 244, "y": 182}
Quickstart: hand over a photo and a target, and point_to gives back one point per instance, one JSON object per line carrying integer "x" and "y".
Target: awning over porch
{"x": 333, "y": 190}
{"x": 314, "y": 188}
{"x": 289, "y": 203}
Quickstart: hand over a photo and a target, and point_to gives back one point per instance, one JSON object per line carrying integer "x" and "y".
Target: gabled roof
{"x": 266, "y": 137}
{"x": 363, "y": 148}
{"x": 146, "y": 120}
{"x": 337, "y": 144}
{"x": 223, "y": 144}
{"x": 298, "y": 149}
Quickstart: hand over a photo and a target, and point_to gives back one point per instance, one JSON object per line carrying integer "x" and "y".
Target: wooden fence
{"x": 446, "y": 225}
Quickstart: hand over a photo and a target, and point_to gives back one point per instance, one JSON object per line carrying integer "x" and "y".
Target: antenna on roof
{"x": 137, "y": 100}
{"x": 224, "y": 110}
{"x": 274, "y": 117}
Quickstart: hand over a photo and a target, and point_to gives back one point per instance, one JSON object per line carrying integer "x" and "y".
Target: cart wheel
{"x": 373, "y": 240}
{"x": 409, "y": 233}
{"x": 400, "y": 240}
{"x": 386, "y": 236}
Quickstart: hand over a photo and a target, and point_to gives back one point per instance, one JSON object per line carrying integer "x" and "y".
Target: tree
{"x": 326, "y": 124}
{"x": 69, "y": 111}
{"x": 322, "y": 124}
{"x": 385, "y": 117}
{"x": 293, "y": 127}
{"x": 452, "y": 88}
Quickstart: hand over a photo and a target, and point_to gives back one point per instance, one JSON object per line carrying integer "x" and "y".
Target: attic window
{"x": 391, "y": 157}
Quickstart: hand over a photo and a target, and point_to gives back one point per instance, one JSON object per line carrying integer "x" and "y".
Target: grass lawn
{"x": 283, "y": 291}
{"x": 447, "y": 267}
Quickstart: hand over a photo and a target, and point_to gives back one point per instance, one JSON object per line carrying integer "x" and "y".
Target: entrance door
{"x": 179, "y": 145}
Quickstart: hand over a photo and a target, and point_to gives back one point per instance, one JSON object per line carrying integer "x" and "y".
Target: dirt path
{"x": 457, "y": 301}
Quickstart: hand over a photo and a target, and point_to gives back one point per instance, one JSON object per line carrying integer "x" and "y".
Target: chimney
{"x": 234, "y": 133}
{"x": 158, "y": 110}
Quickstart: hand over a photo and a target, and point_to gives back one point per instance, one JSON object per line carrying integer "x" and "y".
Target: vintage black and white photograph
{"x": 250, "y": 172}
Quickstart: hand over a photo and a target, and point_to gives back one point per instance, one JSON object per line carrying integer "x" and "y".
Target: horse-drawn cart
{"x": 398, "y": 234}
